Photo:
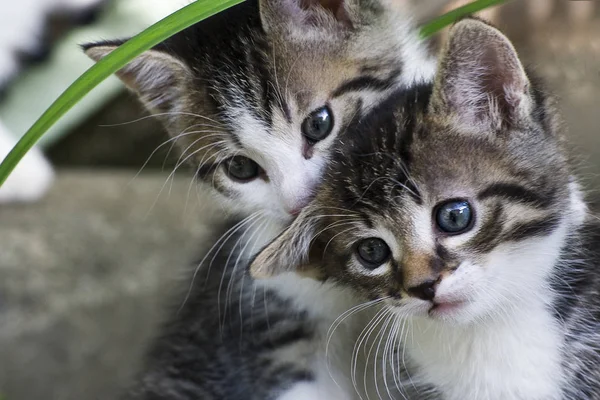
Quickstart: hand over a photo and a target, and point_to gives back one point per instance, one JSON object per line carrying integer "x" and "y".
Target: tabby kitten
{"x": 462, "y": 214}
{"x": 256, "y": 95}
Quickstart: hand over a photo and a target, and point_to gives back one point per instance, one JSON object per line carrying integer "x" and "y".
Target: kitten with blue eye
{"x": 464, "y": 217}
{"x": 255, "y": 97}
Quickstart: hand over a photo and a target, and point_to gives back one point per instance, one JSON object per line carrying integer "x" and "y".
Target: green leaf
{"x": 450, "y": 17}
{"x": 167, "y": 27}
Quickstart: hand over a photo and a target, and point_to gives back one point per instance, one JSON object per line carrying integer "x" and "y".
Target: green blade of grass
{"x": 167, "y": 27}
{"x": 450, "y": 17}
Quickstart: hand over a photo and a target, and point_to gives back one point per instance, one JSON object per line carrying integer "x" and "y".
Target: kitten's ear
{"x": 289, "y": 252}
{"x": 480, "y": 79}
{"x": 156, "y": 77}
{"x": 303, "y": 18}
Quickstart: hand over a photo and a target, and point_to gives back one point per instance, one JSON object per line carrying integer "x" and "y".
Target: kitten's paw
{"x": 31, "y": 178}
{"x": 314, "y": 391}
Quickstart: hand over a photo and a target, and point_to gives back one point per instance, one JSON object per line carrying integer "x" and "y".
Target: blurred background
{"x": 84, "y": 272}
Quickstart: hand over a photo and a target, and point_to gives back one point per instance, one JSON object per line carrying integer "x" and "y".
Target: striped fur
{"x": 242, "y": 82}
{"x": 506, "y": 309}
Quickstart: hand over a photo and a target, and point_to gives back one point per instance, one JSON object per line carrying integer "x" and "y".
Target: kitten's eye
{"x": 242, "y": 168}
{"x": 454, "y": 216}
{"x": 318, "y": 124}
{"x": 373, "y": 252}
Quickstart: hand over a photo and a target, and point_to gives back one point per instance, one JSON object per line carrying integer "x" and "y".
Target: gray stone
{"x": 83, "y": 277}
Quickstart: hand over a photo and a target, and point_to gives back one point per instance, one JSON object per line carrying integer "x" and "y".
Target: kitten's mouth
{"x": 445, "y": 308}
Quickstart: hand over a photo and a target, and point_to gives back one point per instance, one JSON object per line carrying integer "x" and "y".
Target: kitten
{"x": 22, "y": 26}
{"x": 463, "y": 215}
{"x": 255, "y": 97}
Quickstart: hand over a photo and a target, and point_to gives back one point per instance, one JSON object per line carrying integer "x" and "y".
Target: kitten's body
{"x": 502, "y": 307}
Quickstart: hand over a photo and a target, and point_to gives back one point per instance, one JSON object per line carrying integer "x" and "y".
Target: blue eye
{"x": 318, "y": 125}
{"x": 454, "y": 216}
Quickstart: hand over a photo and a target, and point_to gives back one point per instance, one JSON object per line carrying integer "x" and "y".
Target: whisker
{"x": 366, "y": 332}
{"x": 231, "y": 272}
{"x": 231, "y": 231}
{"x": 162, "y": 115}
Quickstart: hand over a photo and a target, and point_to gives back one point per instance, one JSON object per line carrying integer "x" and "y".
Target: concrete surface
{"x": 82, "y": 279}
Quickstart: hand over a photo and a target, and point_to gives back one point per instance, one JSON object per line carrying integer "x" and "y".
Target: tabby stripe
{"x": 490, "y": 231}
{"x": 517, "y": 193}
{"x": 539, "y": 227}
{"x": 287, "y": 338}
{"x": 284, "y": 374}
{"x": 405, "y": 154}
{"x": 366, "y": 82}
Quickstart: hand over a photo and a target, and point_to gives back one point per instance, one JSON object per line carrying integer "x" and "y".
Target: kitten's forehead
{"x": 451, "y": 161}
{"x": 314, "y": 72}
{"x": 401, "y": 155}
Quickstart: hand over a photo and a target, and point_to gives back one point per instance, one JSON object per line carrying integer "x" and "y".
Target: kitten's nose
{"x": 297, "y": 205}
{"x": 424, "y": 291}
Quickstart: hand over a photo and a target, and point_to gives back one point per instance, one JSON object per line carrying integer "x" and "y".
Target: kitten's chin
{"x": 454, "y": 311}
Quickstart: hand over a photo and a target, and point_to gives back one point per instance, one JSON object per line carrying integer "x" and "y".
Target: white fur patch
{"x": 291, "y": 177}
{"x": 332, "y": 362}
{"x": 513, "y": 357}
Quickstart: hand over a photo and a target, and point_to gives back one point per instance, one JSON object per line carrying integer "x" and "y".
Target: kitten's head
{"x": 256, "y": 95}
{"x": 450, "y": 202}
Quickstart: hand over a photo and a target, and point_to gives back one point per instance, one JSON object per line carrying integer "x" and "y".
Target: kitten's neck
{"x": 517, "y": 356}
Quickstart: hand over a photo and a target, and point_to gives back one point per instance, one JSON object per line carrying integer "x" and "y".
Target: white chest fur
{"x": 512, "y": 358}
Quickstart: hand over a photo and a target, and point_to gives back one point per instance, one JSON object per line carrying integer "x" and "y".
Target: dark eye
{"x": 242, "y": 169}
{"x": 454, "y": 216}
{"x": 373, "y": 252}
{"x": 318, "y": 124}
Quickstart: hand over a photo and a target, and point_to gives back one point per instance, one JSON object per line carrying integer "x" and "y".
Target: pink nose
{"x": 298, "y": 205}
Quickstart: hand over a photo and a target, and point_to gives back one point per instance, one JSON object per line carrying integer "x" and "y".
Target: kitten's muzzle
{"x": 421, "y": 274}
